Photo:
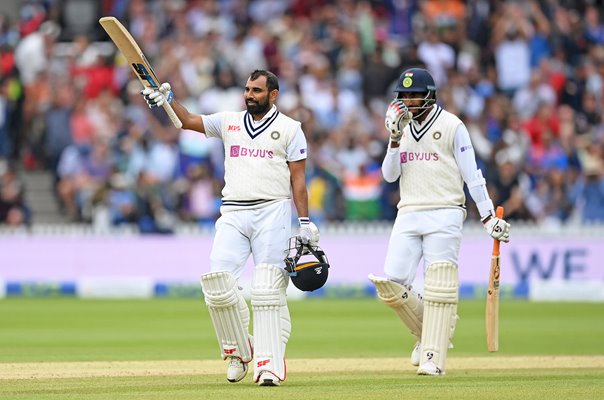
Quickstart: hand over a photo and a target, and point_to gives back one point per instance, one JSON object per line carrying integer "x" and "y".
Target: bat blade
{"x": 492, "y": 304}
{"x": 124, "y": 41}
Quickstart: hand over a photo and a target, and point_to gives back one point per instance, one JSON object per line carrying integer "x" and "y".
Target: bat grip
{"x": 496, "y": 243}
{"x": 173, "y": 117}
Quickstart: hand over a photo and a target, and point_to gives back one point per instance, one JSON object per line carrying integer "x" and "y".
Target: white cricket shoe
{"x": 267, "y": 379}
{"x": 429, "y": 368}
{"x": 416, "y": 354}
{"x": 237, "y": 370}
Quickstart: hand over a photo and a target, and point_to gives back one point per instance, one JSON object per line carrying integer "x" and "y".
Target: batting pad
{"x": 440, "y": 312}
{"x": 272, "y": 323}
{"x": 230, "y": 314}
{"x": 407, "y": 304}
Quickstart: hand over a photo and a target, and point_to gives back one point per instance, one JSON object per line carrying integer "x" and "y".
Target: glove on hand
{"x": 157, "y": 97}
{"x": 398, "y": 117}
{"x": 309, "y": 233}
{"x": 497, "y": 228}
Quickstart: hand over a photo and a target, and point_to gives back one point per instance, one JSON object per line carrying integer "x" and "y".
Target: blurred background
{"x": 81, "y": 155}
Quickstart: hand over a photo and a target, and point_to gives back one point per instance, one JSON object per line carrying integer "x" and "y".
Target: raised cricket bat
{"x": 492, "y": 311}
{"x": 135, "y": 57}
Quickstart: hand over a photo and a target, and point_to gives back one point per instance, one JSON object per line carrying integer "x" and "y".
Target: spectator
{"x": 153, "y": 206}
{"x": 33, "y": 51}
{"x": 527, "y": 99}
{"x": 592, "y": 190}
{"x": 201, "y": 199}
{"x": 13, "y": 209}
{"x": 439, "y": 57}
{"x": 594, "y": 28}
{"x": 543, "y": 126}
{"x": 511, "y": 35}
{"x": 58, "y": 134}
{"x": 510, "y": 188}
{"x": 550, "y": 202}
{"x": 69, "y": 167}
{"x": 5, "y": 140}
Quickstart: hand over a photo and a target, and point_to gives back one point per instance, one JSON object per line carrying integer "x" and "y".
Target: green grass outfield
{"x": 65, "y": 348}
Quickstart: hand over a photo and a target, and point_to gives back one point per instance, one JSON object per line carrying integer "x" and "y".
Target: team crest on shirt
{"x": 437, "y": 135}
{"x": 275, "y": 135}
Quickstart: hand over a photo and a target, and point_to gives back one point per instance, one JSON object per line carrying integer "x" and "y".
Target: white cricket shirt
{"x": 429, "y": 174}
{"x": 256, "y": 156}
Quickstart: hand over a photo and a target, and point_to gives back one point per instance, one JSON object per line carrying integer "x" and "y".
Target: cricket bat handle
{"x": 173, "y": 117}
{"x": 497, "y": 243}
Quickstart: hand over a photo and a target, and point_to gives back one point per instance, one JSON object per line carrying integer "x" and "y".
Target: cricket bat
{"x": 492, "y": 311}
{"x": 124, "y": 41}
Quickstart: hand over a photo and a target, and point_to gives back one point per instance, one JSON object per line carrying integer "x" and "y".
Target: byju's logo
{"x": 418, "y": 156}
{"x": 238, "y": 151}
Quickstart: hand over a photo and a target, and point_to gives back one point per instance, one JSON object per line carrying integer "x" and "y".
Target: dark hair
{"x": 272, "y": 82}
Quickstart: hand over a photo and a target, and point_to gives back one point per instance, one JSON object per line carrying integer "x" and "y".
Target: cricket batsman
{"x": 431, "y": 155}
{"x": 265, "y": 159}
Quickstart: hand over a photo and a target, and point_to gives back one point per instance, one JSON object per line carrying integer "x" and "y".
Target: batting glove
{"x": 157, "y": 97}
{"x": 497, "y": 228}
{"x": 398, "y": 117}
{"x": 309, "y": 233}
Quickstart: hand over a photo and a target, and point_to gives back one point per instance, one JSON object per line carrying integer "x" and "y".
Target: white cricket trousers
{"x": 263, "y": 232}
{"x": 433, "y": 234}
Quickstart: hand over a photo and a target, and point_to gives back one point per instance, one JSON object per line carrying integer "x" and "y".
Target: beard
{"x": 257, "y": 108}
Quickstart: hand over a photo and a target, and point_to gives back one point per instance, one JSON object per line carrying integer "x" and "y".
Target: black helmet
{"x": 417, "y": 80}
{"x": 306, "y": 275}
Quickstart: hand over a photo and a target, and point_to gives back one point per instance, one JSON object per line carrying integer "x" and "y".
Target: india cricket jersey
{"x": 256, "y": 156}
{"x": 427, "y": 160}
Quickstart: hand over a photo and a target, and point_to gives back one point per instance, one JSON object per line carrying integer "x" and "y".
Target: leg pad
{"x": 230, "y": 314}
{"x": 407, "y": 304}
{"x": 440, "y": 313}
{"x": 272, "y": 323}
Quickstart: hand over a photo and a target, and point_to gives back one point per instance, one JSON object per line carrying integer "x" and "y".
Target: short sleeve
{"x": 213, "y": 125}
{"x": 297, "y": 148}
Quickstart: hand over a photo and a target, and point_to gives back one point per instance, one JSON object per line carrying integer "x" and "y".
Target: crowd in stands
{"x": 526, "y": 77}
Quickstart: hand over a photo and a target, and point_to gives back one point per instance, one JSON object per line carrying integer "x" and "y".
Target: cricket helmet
{"x": 417, "y": 80}
{"x": 307, "y": 275}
